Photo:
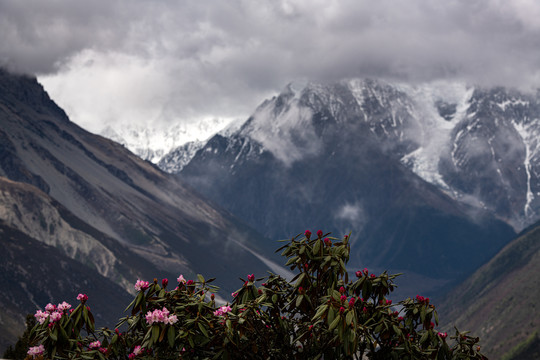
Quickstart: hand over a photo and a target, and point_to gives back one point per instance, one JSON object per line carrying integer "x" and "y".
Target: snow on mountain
{"x": 152, "y": 143}
{"x": 477, "y": 145}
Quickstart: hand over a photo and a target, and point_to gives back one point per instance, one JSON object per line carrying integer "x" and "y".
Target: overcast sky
{"x": 158, "y": 61}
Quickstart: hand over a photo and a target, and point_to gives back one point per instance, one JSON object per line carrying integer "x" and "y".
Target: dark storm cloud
{"x": 235, "y": 52}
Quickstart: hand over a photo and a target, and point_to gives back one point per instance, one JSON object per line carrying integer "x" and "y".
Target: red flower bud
{"x": 328, "y": 242}
{"x": 343, "y": 298}
{"x": 341, "y": 310}
{"x": 341, "y": 290}
{"x": 442, "y": 335}
{"x": 251, "y": 278}
{"x": 212, "y": 297}
{"x": 358, "y": 274}
{"x": 319, "y": 234}
{"x": 164, "y": 283}
{"x": 307, "y": 233}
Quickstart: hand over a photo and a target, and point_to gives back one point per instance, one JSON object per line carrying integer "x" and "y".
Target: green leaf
{"x": 317, "y": 247}
{"x": 155, "y": 333}
{"x": 424, "y": 337}
{"x": 200, "y": 278}
{"x": 331, "y": 315}
{"x": 291, "y": 261}
{"x": 349, "y": 317}
{"x": 396, "y": 330}
{"x": 299, "y": 300}
{"x": 319, "y": 312}
{"x": 334, "y": 323}
{"x": 299, "y": 281}
{"x": 203, "y": 329}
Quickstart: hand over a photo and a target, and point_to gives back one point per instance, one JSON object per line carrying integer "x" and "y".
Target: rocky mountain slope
{"x": 98, "y": 204}
{"x": 33, "y": 274}
{"x": 349, "y": 157}
{"x": 499, "y": 301}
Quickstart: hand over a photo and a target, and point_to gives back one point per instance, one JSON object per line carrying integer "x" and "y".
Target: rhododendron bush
{"x": 321, "y": 313}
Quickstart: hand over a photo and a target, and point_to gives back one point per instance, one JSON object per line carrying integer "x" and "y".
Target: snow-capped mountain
{"x": 153, "y": 142}
{"x": 479, "y": 146}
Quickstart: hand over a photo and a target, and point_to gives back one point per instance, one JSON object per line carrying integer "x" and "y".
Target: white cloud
{"x": 137, "y": 60}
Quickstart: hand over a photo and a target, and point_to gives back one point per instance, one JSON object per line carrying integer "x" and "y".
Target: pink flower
{"x": 181, "y": 279}
{"x": 102, "y": 350}
{"x": 222, "y": 310}
{"x": 341, "y": 290}
{"x": 307, "y": 233}
{"x": 442, "y": 335}
{"x": 366, "y": 272}
{"x": 50, "y": 307}
{"x": 173, "y": 319}
{"x": 358, "y": 274}
{"x": 251, "y": 278}
{"x": 319, "y": 234}
{"x": 82, "y": 297}
{"x": 164, "y": 283}
{"x": 141, "y": 285}
{"x": 160, "y": 316}
{"x": 343, "y": 298}
{"x": 138, "y": 350}
{"x": 36, "y": 350}
{"x": 372, "y": 276}
{"x": 41, "y": 316}
{"x": 55, "y": 316}
{"x": 64, "y": 306}
{"x": 94, "y": 345}
{"x": 388, "y": 302}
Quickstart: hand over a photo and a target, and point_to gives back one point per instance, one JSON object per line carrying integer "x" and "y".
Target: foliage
{"x": 319, "y": 314}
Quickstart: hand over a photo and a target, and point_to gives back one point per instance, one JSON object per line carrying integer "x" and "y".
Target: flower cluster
{"x": 222, "y": 310}
{"x": 36, "y": 350}
{"x": 53, "y": 312}
{"x": 138, "y": 350}
{"x": 160, "y": 316}
{"x": 422, "y": 299}
{"x": 95, "y": 345}
{"x": 181, "y": 279}
{"x": 82, "y": 297}
{"x": 141, "y": 285}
